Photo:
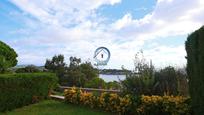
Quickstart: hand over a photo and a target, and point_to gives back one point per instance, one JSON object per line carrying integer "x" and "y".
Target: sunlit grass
{"x": 51, "y": 107}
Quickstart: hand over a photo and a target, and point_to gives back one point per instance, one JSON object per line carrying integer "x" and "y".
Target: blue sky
{"x": 38, "y": 29}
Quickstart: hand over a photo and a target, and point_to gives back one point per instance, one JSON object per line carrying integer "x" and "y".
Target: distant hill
{"x": 20, "y": 66}
{"x": 23, "y": 66}
{"x": 114, "y": 71}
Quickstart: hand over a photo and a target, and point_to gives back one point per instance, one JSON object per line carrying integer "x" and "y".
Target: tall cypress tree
{"x": 195, "y": 69}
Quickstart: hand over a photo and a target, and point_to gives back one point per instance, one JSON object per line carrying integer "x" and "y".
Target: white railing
{"x": 92, "y": 89}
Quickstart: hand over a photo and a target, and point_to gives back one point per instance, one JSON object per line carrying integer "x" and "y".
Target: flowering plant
{"x": 144, "y": 105}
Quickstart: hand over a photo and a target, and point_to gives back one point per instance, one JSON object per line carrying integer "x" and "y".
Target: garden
{"x": 145, "y": 91}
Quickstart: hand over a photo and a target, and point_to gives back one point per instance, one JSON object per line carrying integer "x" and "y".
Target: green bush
{"x": 195, "y": 69}
{"x": 17, "y": 90}
{"x": 96, "y": 83}
{"x": 166, "y": 81}
{"x": 113, "y": 85}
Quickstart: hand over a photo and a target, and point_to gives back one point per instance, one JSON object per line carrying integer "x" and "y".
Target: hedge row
{"x": 129, "y": 105}
{"x": 195, "y": 69}
{"x": 17, "y": 90}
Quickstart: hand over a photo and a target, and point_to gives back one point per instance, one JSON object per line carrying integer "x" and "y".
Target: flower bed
{"x": 143, "y": 105}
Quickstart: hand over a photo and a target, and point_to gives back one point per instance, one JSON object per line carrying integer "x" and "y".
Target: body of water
{"x": 108, "y": 78}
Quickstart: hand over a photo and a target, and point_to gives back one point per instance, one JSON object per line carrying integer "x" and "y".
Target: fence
{"x": 92, "y": 89}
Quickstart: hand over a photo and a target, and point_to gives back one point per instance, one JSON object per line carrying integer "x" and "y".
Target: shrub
{"x": 76, "y": 74}
{"x": 142, "y": 79}
{"x": 89, "y": 71}
{"x": 73, "y": 78}
{"x": 164, "y": 105}
{"x": 166, "y": 81}
{"x": 113, "y": 85}
{"x": 95, "y": 83}
{"x": 144, "y": 105}
{"x": 22, "y": 89}
{"x": 195, "y": 66}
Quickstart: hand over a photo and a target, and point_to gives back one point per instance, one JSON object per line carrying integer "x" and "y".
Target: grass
{"x": 51, "y": 107}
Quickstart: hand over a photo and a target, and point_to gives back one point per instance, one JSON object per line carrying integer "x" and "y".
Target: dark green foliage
{"x": 195, "y": 69}
{"x": 18, "y": 90}
{"x": 89, "y": 71}
{"x": 166, "y": 82}
{"x": 28, "y": 69}
{"x": 96, "y": 83}
{"x": 137, "y": 85}
{"x": 7, "y": 57}
{"x": 57, "y": 64}
{"x": 76, "y": 74}
{"x": 74, "y": 62}
{"x": 146, "y": 80}
{"x": 141, "y": 80}
{"x": 113, "y": 85}
{"x": 74, "y": 78}
{"x": 182, "y": 78}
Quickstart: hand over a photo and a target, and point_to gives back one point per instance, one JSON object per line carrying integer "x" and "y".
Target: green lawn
{"x": 51, "y": 107}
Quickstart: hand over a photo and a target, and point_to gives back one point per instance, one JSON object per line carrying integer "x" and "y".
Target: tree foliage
{"x": 76, "y": 74}
{"x": 56, "y": 64}
{"x": 141, "y": 80}
{"x": 7, "y": 57}
{"x": 166, "y": 81}
{"x": 89, "y": 71}
{"x": 195, "y": 69}
{"x": 146, "y": 80}
{"x": 74, "y": 62}
{"x": 96, "y": 83}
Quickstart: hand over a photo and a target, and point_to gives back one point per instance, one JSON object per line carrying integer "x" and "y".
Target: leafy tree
{"x": 79, "y": 73}
{"x": 74, "y": 62}
{"x": 166, "y": 81}
{"x": 72, "y": 75}
{"x": 56, "y": 65}
{"x": 195, "y": 69}
{"x": 183, "y": 88}
{"x": 74, "y": 78}
{"x": 28, "y": 69}
{"x": 7, "y": 57}
{"x": 76, "y": 74}
{"x": 141, "y": 80}
{"x": 89, "y": 71}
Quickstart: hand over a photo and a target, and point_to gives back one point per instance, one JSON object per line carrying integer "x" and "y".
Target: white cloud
{"x": 166, "y": 17}
{"x": 62, "y": 12}
{"x": 73, "y": 28}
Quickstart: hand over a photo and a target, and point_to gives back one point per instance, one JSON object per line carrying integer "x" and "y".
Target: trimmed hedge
{"x": 195, "y": 69}
{"x": 18, "y": 90}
